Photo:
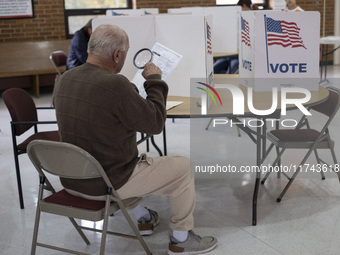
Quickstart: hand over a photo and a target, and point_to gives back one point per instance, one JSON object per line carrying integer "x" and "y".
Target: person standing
{"x": 247, "y": 5}
{"x": 292, "y": 6}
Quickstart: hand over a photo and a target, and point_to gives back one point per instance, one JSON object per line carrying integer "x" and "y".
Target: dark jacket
{"x": 78, "y": 50}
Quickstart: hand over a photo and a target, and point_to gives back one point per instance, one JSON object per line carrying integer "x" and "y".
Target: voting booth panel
{"x": 279, "y": 49}
{"x": 125, "y": 12}
{"x": 132, "y": 12}
{"x": 172, "y": 32}
{"x": 189, "y": 36}
{"x": 140, "y": 30}
{"x": 225, "y": 28}
{"x": 224, "y": 25}
{"x": 148, "y": 11}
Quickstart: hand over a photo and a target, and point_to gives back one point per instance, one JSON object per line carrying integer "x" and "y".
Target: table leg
{"x": 164, "y": 142}
{"x": 145, "y": 137}
{"x": 155, "y": 146}
{"x": 321, "y": 64}
{"x": 258, "y": 173}
{"x": 326, "y": 63}
{"x": 35, "y": 85}
{"x": 264, "y": 143}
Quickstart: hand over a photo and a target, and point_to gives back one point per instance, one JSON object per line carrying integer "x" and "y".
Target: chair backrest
{"x": 21, "y": 107}
{"x": 331, "y": 105}
{"x": 65, "y": 160}
{"x": 58, "y": 58}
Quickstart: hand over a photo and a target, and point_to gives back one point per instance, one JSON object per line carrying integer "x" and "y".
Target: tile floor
{"x": 305, "y": 222}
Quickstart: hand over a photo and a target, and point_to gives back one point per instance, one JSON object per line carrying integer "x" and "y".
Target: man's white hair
{"x": 106, "y": 39}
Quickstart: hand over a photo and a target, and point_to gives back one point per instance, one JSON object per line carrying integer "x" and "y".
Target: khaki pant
{"x": 164, "y": 176}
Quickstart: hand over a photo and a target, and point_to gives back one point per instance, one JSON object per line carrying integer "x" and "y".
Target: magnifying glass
{"x": 142, "y": 57}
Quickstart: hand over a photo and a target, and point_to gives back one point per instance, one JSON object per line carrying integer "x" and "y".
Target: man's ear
{"x": 116, "y": 56}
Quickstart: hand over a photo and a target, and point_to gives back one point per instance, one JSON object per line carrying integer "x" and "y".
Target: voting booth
{"x": 279, "y": 49}
{"x": 171, "y": 31}
{"x": 224, "y": 22}
{"x": 131, "y": 12}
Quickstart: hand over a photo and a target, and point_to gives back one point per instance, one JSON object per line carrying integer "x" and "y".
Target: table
{"x": 218, "y": 55}
{"x": 329, "y": 40}
{"x": 262, "y": 100}
{"x": 29, "y": 59}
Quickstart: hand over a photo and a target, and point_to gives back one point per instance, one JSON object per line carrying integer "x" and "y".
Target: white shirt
{"x": 297, "y": 9}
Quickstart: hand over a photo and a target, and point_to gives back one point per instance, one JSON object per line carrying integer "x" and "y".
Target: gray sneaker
{"x": 146, "y": 227}
{"x": 193, "y": 245}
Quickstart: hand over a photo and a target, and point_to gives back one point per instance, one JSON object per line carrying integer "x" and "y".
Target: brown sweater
{"x": 100, "y": 112}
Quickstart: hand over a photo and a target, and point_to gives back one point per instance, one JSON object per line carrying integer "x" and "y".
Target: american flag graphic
{"x": 245, "y": 32}
{"x": 286, "y": 34}
{"x": 209, "y": 47}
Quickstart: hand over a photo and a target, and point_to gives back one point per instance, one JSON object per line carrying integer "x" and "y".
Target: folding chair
{"x": 69, "y": 161}
{"x": 307, "y": 138}
{"x": 58, "y": 59}
{"x": 24, "y": 116}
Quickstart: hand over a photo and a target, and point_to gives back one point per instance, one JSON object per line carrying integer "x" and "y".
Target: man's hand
{"x": 150, "y": 68}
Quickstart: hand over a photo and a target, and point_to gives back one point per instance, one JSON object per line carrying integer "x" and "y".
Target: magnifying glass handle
{"x": 151, "y": 68}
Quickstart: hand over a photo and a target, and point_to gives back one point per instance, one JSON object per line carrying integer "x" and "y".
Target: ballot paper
{"x": 163, "y": 57}
{"x": 172, "y": 104}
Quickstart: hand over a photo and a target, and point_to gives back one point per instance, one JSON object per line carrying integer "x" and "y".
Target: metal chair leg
{"x": 135, "y": 230}
{"x": 37, "y": 221}
{"x": 335, "y": 163}
{"x": 207, "y": 127}
{"x": 81, "y": 233}
{"x": 295, "y": 174}
{"x": 105, "y": 226}
{"x": 288, "y": 185}
{"x": 278, "y": 158}
{"x": 17, "y": 169}
{"x": 319, "y": 162}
